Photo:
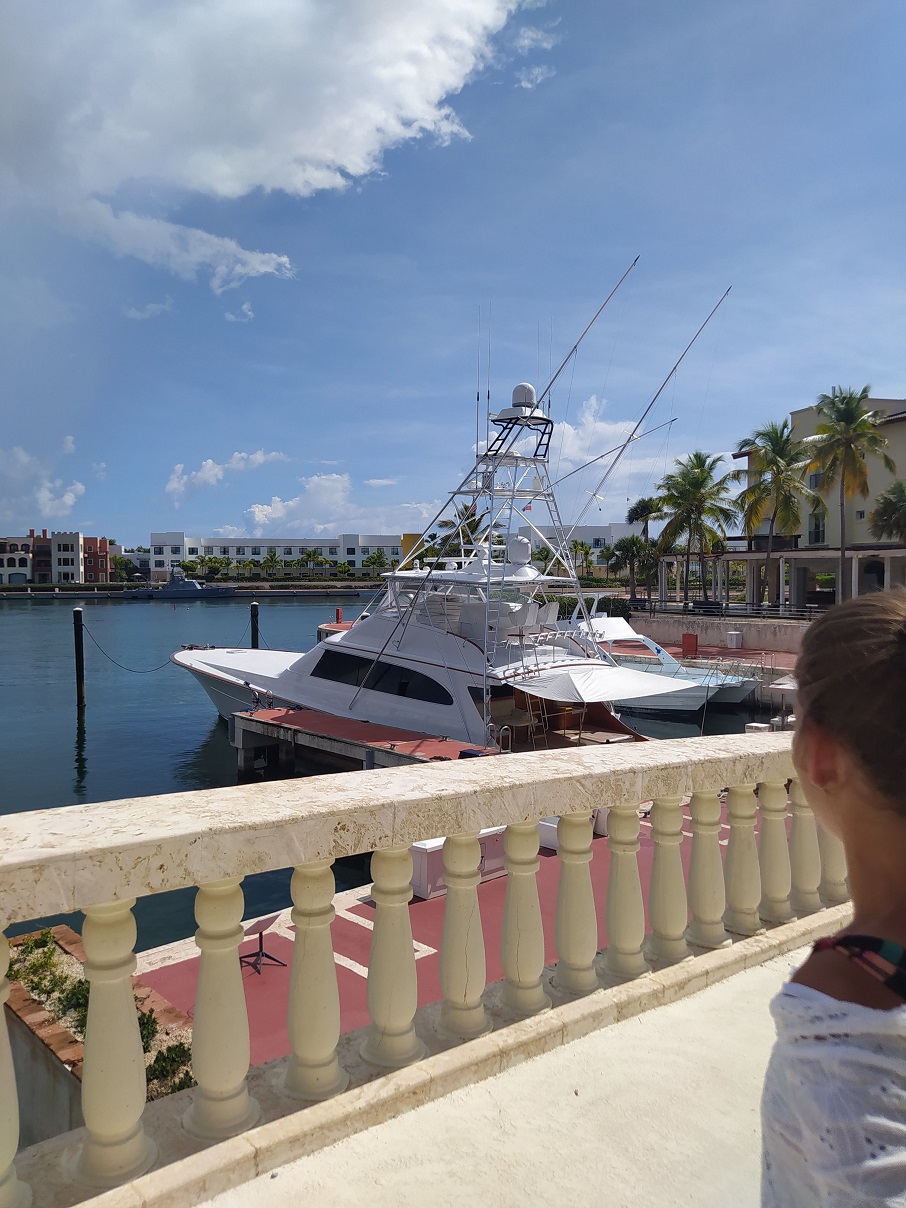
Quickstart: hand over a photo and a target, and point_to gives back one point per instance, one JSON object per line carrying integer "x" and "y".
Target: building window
{"x": 366, "y": 549}
{"x": 395, "y": 551}
{"x": 14, "y": 549}
{"x": 225, "y": 550}
{"x": 816, "y": 530}
{"x": 158, "y": 549}
{"x": 815, "y": 480}
{"x": 351, "y": 562}
{"x": 256, "y": 549}
{"x": 23, "y": 562}
{"x": 287, "y": 549}
{"x": 89, "y": 561}
{"x": 90, "y": 578}
{"x": 159, "y": 564}
{"x": 102, "y": 563}
{"x": 175, "y": 549}
{"x": 333, "y": 550}
{"x": 240, "y": 549}
{"x": 860, "y": 515}
{"x": 351, "y": 551}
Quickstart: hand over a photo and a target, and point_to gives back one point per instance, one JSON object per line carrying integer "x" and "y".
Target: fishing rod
{"x": 547, "y": 389}
{"x": 641, "y": 419}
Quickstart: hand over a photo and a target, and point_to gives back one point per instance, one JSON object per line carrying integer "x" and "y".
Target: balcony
{"x": 726, "y": 862}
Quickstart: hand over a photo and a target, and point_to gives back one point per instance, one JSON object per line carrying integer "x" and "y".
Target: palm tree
{"x": 698, "y": 505}
{"x": 581, "y": 552}
{"x": 377, "y": 561}
{"x": 774, "y": 486}
{"x": 343, "y": 570}
{"x": 888, "y": 517}
{"x": 627, "y": 552}
{"x": 643, "y": 511}
{"x": 541, "y": 555}
{"x": 648, "y": 563}
{"x": 270, "y": 563}
{"x": 470, "y": 528}
{"x": 845, "y": 436}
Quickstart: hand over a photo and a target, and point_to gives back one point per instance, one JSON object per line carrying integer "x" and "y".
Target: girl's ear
{"x": 824, "y": 759}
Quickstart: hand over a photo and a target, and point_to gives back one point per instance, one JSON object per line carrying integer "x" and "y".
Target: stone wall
{"x": 712, "y": 631}
{"x": 50, "y": 1093}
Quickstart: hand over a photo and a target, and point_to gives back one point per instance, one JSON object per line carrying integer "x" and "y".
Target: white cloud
{"x": 530, "y": 38}
{"x": 223, "y": 99}
{"x": 381, "y": 482}
{"x": 245, "y": 315}
{"x": 531, "y": 77}
{"x": 69, "y": 444}
{"x": 183, "y": 251}
{"x": 99, "y": 469}
{"x": 229, "y": 530}
{"x": 27, "y": 488}
{"x": 56, "y": 501}
{"x": 210, "y": 472}
{"x": 151, "y": 311}
{"x": 325, "y": 505}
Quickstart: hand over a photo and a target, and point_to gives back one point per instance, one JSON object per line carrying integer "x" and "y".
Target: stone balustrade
{"x": 100, "y": 858}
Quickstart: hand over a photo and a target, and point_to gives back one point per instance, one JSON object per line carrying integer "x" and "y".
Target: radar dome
{"x": 524, "y": 395}
{"x": 519, "y": 549}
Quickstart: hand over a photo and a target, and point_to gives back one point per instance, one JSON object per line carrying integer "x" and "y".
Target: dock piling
{"x": 79, "y": 658}
{"x": 253, "y": 610}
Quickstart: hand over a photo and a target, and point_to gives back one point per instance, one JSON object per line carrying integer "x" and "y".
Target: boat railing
{"x": 709, "y": 840}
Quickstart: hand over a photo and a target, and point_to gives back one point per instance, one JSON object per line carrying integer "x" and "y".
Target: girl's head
{"x": 851, "y": 677}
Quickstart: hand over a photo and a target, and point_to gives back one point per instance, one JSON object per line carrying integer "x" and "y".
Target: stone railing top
{"x": 64, "y": 859}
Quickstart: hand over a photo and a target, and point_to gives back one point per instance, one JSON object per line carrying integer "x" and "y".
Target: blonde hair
{"x": 851, "y": 677}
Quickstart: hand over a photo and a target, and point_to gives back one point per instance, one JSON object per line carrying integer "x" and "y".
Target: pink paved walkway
{"x": 267, "y": 993}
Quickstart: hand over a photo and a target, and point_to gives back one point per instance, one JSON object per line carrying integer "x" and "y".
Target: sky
{"x": 256, "y": 261}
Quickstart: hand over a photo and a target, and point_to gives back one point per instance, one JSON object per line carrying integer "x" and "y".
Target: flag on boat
{"x": 528, "y": 506}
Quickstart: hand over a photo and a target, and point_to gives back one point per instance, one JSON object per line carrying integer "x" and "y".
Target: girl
{"x": 834, "y": 1103}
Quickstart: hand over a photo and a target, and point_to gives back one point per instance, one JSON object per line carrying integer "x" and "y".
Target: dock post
{"x": 253, "y": 609}
{"x": 79, "y": 658}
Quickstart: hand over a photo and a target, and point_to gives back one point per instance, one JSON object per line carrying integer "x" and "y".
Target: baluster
{"x": 313, "y": 1016}
{"x": 805, "y": 859}
{"x": 462, "y": 958}
{"x": 742, "y": 872}
{"x": 707, "y": 899}
{"x": 392, "y": 979}
{"x": 625, "y": 908}
{"x": 833, "y": 888}
{"x": 774, "y": 854}
{"x": 667, "y": 907}
{"x": 221, "y": 1106}
{"x": 522, "y": 934}
{"x": 13, "y": 1193}
{"x": 577, "y": 923}
{"x": 113, "y": 1080}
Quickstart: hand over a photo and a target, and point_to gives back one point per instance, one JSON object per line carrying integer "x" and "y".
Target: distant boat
{"x": 717, "y": 684}
{"x": 180, "y": 588}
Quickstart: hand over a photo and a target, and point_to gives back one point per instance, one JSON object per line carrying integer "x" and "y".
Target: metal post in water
{"x": 79, "y": 658}
{"x": 253, "y": 609}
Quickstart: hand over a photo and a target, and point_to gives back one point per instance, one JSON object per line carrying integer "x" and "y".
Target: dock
{"x": 338, "y": 742}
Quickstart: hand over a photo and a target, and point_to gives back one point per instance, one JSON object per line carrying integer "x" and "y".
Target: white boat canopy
{"x": 579, "y": 684}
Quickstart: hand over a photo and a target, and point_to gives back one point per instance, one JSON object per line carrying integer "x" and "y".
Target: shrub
{"x": 148, "y": 1027}
{"x": 168, "y": 1062}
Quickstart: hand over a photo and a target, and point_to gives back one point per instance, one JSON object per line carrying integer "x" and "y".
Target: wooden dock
{"x": 342, "y": 743}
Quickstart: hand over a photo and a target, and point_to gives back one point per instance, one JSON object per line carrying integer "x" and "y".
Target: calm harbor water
{"x": 148, "y": 727}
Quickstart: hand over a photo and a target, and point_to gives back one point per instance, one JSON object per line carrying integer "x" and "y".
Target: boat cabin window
{"x": 380, "y": 676}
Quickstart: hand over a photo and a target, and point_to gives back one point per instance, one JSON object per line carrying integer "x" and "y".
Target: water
{"x": 143, "y": 731}
{"x": 148, "y": 727}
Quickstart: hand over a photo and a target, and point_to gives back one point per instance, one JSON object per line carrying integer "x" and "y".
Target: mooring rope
{"x": 122, "y": 667}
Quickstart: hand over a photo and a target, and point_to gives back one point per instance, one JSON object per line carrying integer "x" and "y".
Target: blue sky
{"x": 246, "y": 249}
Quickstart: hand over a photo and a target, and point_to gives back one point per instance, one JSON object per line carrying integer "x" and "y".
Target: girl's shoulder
{"x": 865, "y": 970}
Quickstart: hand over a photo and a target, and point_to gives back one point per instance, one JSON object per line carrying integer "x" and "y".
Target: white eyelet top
{"x": 833, "y": 1110}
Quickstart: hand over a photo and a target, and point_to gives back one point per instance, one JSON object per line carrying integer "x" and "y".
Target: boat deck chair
{"x": 256, "y": 958}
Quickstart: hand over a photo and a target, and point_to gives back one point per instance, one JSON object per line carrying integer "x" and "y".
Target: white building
{"x": 170, "y": 548}
{"x": 597, "y": 536}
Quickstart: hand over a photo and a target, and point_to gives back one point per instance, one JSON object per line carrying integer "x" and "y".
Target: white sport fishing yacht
{"x": 719, "y": 682}
{"x": 464, "y": 640}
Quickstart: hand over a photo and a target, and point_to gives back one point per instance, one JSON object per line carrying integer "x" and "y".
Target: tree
{"x": 648, "y": 563}
{"x": 888, "y": 517}
{"x": 846, "y": 435}
{"x": 377, "y": 561}
{"x": 697, "y": 505}
{"x": 466, "y": 528}
{"x": 123, "y": 568}
{"x": 270, "y": 563}
{"x": 643, "y": 511}
{"x": 344, "y": 570}
{"x": 541, "y": 555}
{"x": 627, "y": 552}
{"x": 774, "y": 486}
{"x": 581, "y": 552}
